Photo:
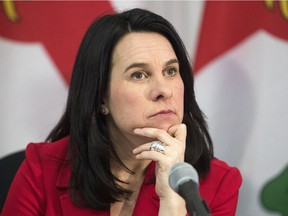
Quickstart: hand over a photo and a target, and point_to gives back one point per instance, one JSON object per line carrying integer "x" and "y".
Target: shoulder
{"x": 46, "y": 156}
{"x": 220, "y": 169}
{"x": 55, "y": 150}
{"x": 38, "y": 178}
{"x": 48, "y": 162}
{"x": 222, "y": 180}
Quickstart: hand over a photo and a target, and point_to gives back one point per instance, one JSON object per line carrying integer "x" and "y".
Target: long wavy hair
{"x": 92, "y": 183}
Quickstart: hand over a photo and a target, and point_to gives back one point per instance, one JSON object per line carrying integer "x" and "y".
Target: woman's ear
{"x": 104, "y": 108}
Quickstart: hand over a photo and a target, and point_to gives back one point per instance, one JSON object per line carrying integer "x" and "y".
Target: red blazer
{"x": 40, "y": 187}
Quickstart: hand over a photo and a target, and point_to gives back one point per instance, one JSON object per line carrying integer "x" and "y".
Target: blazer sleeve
{"x": 26, "y": 194}
{"x": 226, "y": 196}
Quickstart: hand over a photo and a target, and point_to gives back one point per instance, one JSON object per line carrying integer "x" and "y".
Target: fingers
{"x": 174, "y": 140}
{"x": 145, "y": 151}
{"x": 178, "y": 131}
{"x": 157, "y": 134}
{"x": 171, "y": 155}
{"x": 144, "y": 147}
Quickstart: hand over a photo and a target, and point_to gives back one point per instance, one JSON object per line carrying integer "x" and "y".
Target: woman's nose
{"x": 160, "y": 89}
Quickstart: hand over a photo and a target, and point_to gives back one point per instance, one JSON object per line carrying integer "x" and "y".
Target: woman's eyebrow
{"x": 136, "y": 65}
{"x": 172, "y": 61}
{"x": 145, "y": 65}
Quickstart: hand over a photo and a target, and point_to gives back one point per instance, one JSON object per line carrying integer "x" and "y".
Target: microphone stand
{"x": 194, "y": 204}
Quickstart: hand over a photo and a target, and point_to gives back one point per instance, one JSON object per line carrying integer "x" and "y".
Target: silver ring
{"x": 158, "y": 146}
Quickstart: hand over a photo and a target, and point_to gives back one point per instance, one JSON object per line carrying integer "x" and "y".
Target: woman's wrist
{"x": 173, "y": 205}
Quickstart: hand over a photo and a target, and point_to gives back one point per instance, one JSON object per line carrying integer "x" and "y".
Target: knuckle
{"x": 160, "y": 133}
{"x": 183, "y": 126}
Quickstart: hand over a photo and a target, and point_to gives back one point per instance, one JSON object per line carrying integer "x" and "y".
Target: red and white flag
{"x": 242, "y": 85}
{"x": 38, "y": 44}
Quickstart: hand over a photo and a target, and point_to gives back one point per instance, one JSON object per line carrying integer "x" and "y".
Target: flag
{"x": 38, "y": 45}
{"x": 241, "y": 84}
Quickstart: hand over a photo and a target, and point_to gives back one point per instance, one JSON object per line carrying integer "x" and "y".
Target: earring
{"x": 104, "y": 110}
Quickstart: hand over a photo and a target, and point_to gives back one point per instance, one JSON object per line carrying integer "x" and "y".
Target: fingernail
{"x": 137, "y": 130}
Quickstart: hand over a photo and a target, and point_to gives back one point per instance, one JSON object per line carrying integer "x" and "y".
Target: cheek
{"x": 180, "y": 92}
{"x": 179, "y": 95}
{"x": 179, "y": 101}
{"x": 123, "y": 102}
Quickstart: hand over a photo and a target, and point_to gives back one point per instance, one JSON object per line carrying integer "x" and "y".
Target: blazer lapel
{"x": 147, "y": 202}
{"x": 67, "y": 206}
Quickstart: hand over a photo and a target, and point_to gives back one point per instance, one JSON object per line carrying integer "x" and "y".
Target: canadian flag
{"x": 38, "y": 45}
{"x": 242, "y": 85}
{"x": 241, "y": 72}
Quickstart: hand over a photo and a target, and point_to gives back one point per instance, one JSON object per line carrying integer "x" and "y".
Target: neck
{"x": 125, "y": 142}
{"x": 137, "y": 167}
{"x": 124, "y": 152}
{"x": 124, "y": 146}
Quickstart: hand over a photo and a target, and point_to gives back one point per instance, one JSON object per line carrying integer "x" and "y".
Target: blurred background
{"x": 239, "y": 52}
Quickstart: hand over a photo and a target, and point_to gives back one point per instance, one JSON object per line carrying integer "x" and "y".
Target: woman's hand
{"x": 175, "y": 141}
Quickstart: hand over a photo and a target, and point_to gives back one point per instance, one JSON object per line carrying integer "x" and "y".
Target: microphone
{"x": 184, "y": 180}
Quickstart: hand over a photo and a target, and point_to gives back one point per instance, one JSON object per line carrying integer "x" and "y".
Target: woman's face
{"x": 145, "y": 87}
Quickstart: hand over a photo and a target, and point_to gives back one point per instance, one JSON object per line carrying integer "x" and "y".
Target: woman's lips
{"x": 163, "y": 113}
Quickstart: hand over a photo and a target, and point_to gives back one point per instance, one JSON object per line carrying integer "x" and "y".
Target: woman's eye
{"x": 138, "y": 75}
{"x": 171, "y": 71}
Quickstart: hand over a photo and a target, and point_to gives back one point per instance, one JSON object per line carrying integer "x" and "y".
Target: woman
{"x": 131, "y": 115}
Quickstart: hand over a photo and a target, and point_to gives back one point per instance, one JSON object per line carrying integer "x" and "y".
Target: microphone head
{"x": 181, "y": 173}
